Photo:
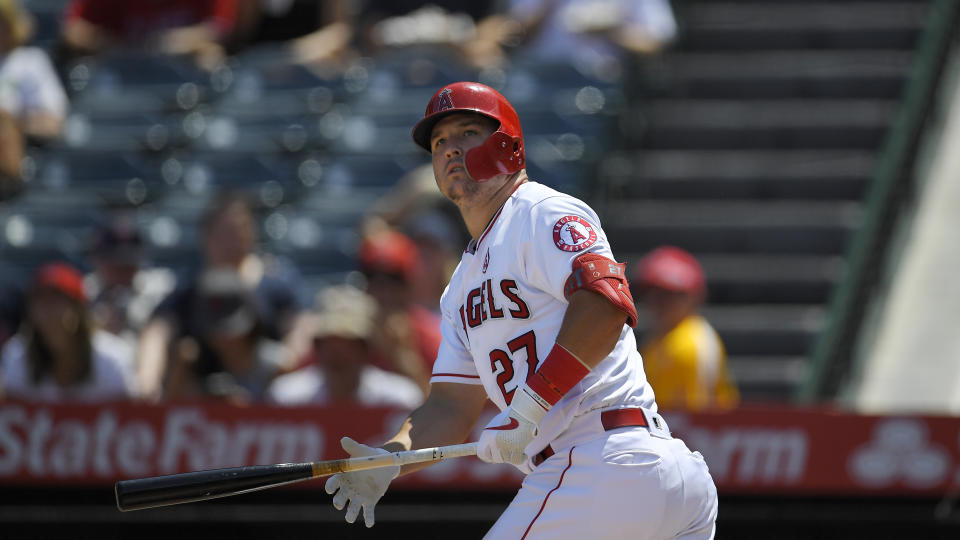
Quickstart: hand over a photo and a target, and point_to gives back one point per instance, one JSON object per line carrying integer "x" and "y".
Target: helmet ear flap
{"x": 499, "y": 154}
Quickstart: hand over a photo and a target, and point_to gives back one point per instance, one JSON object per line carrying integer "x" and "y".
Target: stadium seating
{"x": 752, "y": 144}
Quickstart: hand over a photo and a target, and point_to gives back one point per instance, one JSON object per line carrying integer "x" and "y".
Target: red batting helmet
{"x": 670, "y": 268}
{"x": 502, "y": 152}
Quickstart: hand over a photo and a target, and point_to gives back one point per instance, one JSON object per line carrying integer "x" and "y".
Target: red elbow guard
{"x": 559, "y": 372}
{"x": 604, "y": 276}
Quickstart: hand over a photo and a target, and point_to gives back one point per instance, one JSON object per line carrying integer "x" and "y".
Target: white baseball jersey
{"x": 501, "y": 315}
{"x": 503, "y": 308}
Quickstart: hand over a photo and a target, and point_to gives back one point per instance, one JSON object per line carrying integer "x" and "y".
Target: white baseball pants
{"x": 619, "y": 484}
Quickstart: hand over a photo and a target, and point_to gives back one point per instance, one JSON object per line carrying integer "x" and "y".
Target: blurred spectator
{"x": 415, "y": 206}
{"x": 683, "y": 356}
{"x": 57, "y": 355}
{"x": 414, "y": 194}
{"x": 225, "y": 353}
{"x": 408, "y": 335}
{"x": 439, "y": 247}
{"x": 198, "y": 28}
{"x": 123, "y": 292}
{"x": 473, "y": 28}
{"x": 11, "y": 306}
{"x": 315, "y": 32}
{"x": 593, "y": 34}
{"x": 11, "y": 153}
{"x": 229, "y": 241}
{"x": 341, "y": 370}
{"x": 30, "y": 90}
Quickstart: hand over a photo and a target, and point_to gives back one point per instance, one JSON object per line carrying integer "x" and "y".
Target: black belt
{"x": 612, "y": 419}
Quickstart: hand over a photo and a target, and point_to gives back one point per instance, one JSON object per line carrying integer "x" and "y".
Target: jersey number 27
{"x": 500, "y": 360}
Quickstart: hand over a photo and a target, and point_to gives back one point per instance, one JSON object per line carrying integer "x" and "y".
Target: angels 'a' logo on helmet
{"x": 573, "y": 233}
{"x": 443, "y": 100}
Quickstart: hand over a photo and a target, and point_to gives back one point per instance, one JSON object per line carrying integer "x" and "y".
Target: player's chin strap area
{"x": 499, "y": 154}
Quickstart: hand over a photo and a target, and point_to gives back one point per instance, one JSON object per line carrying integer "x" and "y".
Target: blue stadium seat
{"x": 344, "y": 174}
{"x": 316, "y": 246}
{"x": 279, "y": 88}
{"x": 42, "y": 226}
{"x": 137, "y": 83}
{"x": 401, "y": 81}
{"x": 272, "y": 180}
{"x": 122, "y": 131}
{"x": 114, "y": 177}
{"x": 260, "y": 134}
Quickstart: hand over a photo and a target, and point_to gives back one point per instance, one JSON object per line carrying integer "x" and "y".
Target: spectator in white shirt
{"x": 30, "y": 90}
{"x": 597, "y": 36}
{"x": 340, "y": 370}
{"x": 57, "y": 355}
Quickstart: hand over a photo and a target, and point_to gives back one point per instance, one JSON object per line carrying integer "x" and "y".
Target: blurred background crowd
{"x": 218, "y": 199}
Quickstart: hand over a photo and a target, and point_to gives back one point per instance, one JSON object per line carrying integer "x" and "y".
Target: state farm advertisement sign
{"x": 750, "y": 450}
{"x": 97, "y": 444}
{"x": 795, "y": 451}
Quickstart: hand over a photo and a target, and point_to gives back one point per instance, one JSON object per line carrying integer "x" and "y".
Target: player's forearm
{"x": 446, "y": 417}
{"x": 591, "y": 327}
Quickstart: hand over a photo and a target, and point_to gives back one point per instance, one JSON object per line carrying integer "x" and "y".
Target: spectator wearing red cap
{"x": 57, "y": 355}
{"x": 683, "y": 357}
{"x": 408, "y": 335}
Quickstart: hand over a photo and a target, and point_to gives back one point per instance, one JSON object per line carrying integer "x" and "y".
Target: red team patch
{"x": 573, "y": 233}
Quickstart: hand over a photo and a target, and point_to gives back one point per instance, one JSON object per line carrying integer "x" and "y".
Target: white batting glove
{"x": 360, "y": 489}
{"x": 506, "y": 436}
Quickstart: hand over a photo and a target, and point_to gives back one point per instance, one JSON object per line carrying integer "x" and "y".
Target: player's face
{"x": 450, "y": 140}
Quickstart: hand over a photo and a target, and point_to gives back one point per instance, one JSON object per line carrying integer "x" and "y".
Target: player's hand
{"x": 360, "y": 489}
{"x": 506, "y": 436}
{"x": 504, "y": 439}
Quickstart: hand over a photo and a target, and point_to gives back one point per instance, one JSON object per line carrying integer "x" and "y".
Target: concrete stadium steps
{"x": 730, "y": 124}
{"x": 752, "y": 144}
{"x": 781, "y": 74}
{"x": 766, "y": 378}
{"x": 795, "y": 25}
{"x": 738, "y": 226}
{"x": 766, "y": 329}
{"x": 791, "y": 279}
{"x": 757, "y": 174}
{"x": 770, "y": 331}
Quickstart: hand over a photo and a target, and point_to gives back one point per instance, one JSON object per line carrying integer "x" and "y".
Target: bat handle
{"x": 436, "y": 454}
{"x": 406, "y": 457}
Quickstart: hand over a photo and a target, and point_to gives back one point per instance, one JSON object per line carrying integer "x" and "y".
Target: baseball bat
{"x": 154, "y": 491}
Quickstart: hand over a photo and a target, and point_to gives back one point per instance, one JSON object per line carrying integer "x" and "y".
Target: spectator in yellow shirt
{"x": 683, "y": 357}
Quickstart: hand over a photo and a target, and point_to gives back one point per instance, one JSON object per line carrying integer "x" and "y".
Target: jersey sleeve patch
{"x": 573, "y": 233}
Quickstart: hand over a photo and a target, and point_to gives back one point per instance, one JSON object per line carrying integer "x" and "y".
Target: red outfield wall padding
{"x": 776, "y": 450}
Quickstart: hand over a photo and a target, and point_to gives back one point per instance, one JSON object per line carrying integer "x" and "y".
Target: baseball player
{"x": 537, "y": 318}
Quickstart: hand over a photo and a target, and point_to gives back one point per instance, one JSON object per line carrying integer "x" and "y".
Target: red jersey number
{"x": 501, "y": 361}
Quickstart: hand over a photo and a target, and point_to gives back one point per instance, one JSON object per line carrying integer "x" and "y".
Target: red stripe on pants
{"x": 547, "y": 498}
